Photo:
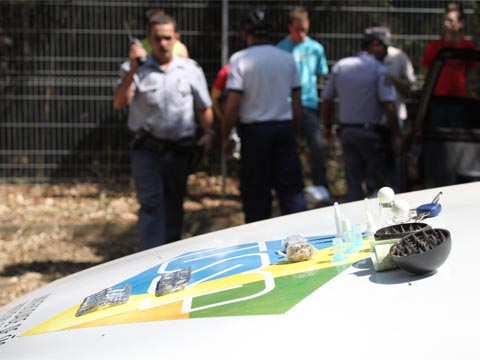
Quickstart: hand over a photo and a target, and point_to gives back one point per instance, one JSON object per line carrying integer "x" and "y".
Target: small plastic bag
{"x": 297, "y": 248}
{"x": 300, "y": 252}
{"x": 292, "y": 239}
{"x": 104, "y": 299}
{"x": 173, "y": 281}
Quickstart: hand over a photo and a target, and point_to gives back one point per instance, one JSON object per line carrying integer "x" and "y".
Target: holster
{"x": 158, "y": 145}
{"x": 182, "y": 146}
{"x": 137, "y": 138}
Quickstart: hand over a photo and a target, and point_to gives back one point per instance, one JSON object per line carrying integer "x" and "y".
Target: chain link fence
{"x": 60, "y": 59}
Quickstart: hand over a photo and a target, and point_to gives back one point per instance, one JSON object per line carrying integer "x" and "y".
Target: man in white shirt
{"x": 400, "y": 72}
{"x": 264, "y": 95}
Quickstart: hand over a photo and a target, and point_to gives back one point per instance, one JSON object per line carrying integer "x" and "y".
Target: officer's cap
{"x": 255, "y": 22}
{"x": 379, "y": 33}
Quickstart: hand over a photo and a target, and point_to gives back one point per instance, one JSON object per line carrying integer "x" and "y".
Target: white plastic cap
{"x": 385, "y": 195}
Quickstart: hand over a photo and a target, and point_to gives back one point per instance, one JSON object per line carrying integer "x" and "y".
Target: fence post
{"x": 223, "y": 160}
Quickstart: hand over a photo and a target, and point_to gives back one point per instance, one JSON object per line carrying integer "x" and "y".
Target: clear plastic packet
{"x": 300, "y": 252}
{"x": 292, "y": 239}
{"x": 297, "y": 248}
{"x": 104, "y": 299}
{"x": 173, "y": 281}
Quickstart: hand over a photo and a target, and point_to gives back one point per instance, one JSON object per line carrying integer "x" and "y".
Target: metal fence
{"x": 60, "y": 59}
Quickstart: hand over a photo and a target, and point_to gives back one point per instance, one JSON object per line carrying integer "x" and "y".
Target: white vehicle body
{"x": 245, "y": 302}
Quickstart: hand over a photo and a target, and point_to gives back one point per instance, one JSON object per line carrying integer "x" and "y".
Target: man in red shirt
{"x": 218, "y": 90}
{"x": 452, "y": 80}
{"x": 218, "y": 98}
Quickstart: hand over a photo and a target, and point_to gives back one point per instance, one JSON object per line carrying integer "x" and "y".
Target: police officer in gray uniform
{"x": 164, "y": 94}
{"x": 264, "y": 96}
{"x": 364, "y": 96}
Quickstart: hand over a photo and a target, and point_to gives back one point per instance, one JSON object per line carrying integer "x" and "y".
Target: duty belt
{"x": 150, "y": 142}
{"x": 371, "y": 126}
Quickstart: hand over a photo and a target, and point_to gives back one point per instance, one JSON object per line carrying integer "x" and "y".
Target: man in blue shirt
{"x": 311, "y": 63}
{"x": 364, "y": 97}
{"x": 164, "y": 95}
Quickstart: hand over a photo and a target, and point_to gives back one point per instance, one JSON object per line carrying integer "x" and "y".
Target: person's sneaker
{"x": 317, "y": 193}
{"x": 325, "y": 193}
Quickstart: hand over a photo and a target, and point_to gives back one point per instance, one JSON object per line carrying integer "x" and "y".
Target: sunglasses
{"x": 158, "y": 38}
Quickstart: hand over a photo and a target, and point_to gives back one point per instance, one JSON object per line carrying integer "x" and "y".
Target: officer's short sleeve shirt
{"x": 164, "y": 99}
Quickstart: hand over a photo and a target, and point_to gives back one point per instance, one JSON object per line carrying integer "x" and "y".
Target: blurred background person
{"x": 218, "y": 94}
{"x": 452, "y": 79}
{"x": 364, "y": 96}
{"x": 264, "y": 96}
{"x": 312, "y": 65}
{"x": 401, "y": 73}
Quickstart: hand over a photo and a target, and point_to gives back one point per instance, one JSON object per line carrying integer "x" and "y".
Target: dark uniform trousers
{"x": 269, "y": 160}
{"x": 366, "y": 154}
{"x": 160, "y": 183}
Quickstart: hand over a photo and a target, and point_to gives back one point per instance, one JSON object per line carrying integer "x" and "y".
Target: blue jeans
{"x": 160, "y": 184}
{"x": 269, "y": 160}
{"x": 312, "y": 132}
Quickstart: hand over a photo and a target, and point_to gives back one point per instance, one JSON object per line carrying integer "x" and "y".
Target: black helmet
{"x": 255, "y": 22}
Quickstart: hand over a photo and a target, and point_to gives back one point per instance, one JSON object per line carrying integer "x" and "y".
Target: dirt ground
{"x": 48, "y": 231}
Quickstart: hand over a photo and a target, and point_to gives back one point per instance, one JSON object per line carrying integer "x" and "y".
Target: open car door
{"x": 445, "y": 147}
